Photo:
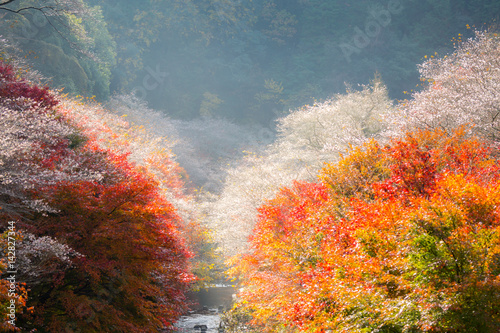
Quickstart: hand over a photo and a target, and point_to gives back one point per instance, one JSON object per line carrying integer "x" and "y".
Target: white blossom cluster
{"x": 323, "y": 130}
{"x": 39, "y": 257}
{"x": 28, "y": 137}
{"x": 31, "y": 135}
{"x": 462, "y": 89}
{"x": 113, "y": 132}
{"x": 20, "y": 132}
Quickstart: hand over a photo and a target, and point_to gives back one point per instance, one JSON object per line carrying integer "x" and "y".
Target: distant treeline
{"x": 247, "y": 60}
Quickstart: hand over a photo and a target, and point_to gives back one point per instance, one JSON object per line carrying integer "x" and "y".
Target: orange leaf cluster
{"x": 401, "y": 238}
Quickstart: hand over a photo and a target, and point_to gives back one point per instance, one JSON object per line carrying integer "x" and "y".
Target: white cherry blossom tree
{"x": 461, "y": 89}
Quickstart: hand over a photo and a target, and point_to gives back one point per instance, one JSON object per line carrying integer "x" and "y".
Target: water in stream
{"x": 188, "y": 323}
{"x": 209, "y": 303}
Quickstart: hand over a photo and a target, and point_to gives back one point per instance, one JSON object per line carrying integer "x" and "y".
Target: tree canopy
{"x": 248, "y": 61}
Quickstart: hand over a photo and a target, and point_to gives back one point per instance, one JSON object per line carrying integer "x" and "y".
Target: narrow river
{"x": 207, "y": 305}
{"x": 198, "y": 323}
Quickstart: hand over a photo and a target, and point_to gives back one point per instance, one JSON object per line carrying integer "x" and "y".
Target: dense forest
{"x": 336, "y": 160}
{"x": 245, "y": 60}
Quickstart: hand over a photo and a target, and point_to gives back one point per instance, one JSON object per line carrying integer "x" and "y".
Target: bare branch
{"x": 7, "y": 2}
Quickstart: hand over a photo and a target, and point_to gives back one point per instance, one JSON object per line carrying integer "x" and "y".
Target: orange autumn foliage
{"x": 402, "y": 238}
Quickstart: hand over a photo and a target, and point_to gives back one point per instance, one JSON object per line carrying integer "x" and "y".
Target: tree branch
{"x": 41, "y": 9}
{"x": 6, "y": 2}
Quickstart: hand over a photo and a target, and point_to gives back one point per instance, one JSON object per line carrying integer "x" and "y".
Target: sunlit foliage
{"x": 410, "y": 244}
